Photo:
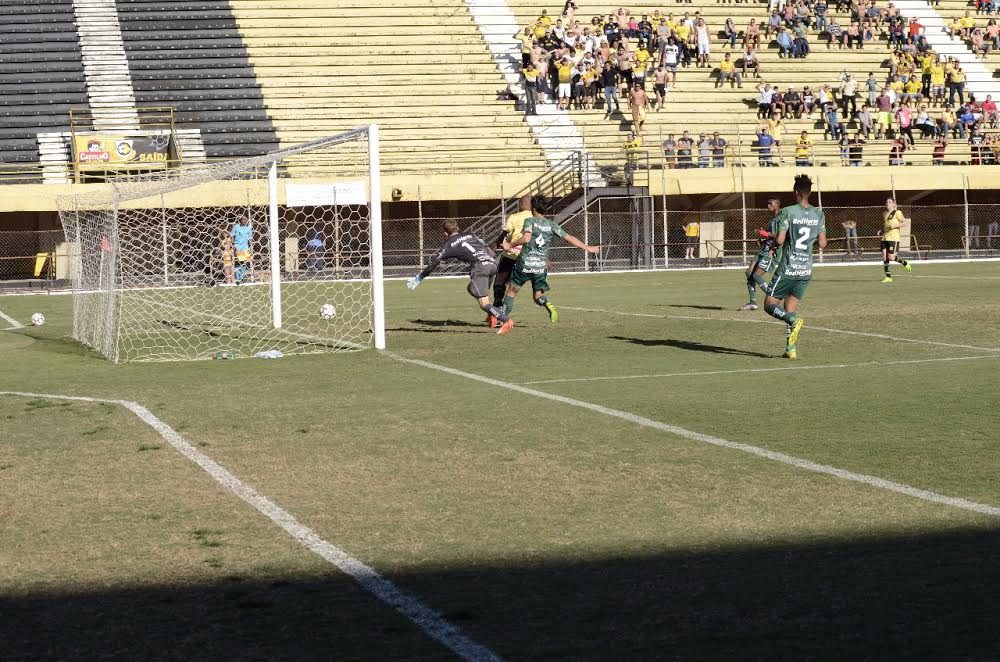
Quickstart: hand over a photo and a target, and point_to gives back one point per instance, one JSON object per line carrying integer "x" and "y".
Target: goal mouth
{"x": 236, "y": 257}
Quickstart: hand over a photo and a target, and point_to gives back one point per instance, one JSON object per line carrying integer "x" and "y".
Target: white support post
{"x": 666, "y": 237}
{"x": 819, "y": 202}
{"x": 420, "y": 226}
{"x": 743, "y": 204}
{"x": 965, "y": 206}
{"x": 375, "y": 207}
{"x": 274, "y": 245}
{"x": 163, "y": 239}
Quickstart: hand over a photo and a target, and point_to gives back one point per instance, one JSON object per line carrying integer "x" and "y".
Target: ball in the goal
{"x": 327, "y": 311}
{"x": 37, "y": 319}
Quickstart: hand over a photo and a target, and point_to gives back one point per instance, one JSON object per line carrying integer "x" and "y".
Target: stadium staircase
{"x": 979, "y": 79}
{"x": 698, "y": 106}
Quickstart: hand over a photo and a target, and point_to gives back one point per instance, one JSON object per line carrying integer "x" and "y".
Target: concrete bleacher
{"x": 421, "y": 71}
{"x": 41, "y": 78}
{"x": 696, "y": 105}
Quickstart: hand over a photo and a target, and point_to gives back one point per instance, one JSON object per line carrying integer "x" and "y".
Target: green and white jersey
{"x": 802, "y": 226}
{"x": 535, "y": 252}
{"x": 772, "y": 227}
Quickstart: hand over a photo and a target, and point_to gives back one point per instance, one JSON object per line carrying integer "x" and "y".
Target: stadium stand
{"x": 421, "y": 71}
{"x": 41, "y": 78}
{"x": 696, "y": 104}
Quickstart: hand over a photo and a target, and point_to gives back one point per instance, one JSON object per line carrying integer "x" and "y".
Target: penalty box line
{"x": 13, "y": 323}
{"x": 409, "y": 606}
{"x": 829, "y": 366}
{"x": 866, "y": 334}
{"x": 783, "y": 458}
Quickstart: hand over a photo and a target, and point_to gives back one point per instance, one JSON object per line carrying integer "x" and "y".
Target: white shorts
{"x": 564, "y": 90}
{"x": 702, "y": 49}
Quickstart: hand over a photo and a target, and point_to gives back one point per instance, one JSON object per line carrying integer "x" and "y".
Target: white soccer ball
{"x": 327, "y": 311}
{"x": 37, "y": 319}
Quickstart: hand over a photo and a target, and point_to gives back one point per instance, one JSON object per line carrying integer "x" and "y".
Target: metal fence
{"x": 636, "y": 232}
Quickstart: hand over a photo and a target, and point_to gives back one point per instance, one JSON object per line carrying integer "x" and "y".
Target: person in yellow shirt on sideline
{"x": 727, "y": 71}
{"x": 892, "y": 221}
{"x": 511, "y": 232}
{"x": 691, "y": 232}
{"x": 632, "y": 147}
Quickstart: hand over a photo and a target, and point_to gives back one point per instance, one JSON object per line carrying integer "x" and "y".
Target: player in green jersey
{"x": 764, "y": 260}
{"x": 799, "y": 227}
{"x": 532, "y": 264}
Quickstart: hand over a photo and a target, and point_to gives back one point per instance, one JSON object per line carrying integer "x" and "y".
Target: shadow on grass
{"x": 928, "y": 597}
{"x": 690, "y": 345}
{"x": 688, "y": 305}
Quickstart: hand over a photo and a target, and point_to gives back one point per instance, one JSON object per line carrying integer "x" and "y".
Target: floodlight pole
{"x": 375, "y": 207}
{"x": 273, "y": 240}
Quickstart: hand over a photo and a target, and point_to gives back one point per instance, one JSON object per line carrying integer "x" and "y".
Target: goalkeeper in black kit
{"x": 469, "y": 249}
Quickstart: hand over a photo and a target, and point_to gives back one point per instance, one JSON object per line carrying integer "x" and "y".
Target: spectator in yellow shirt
{"x": 691, "y": 231}
{"x": 803, "y": 150}
{"x": 727, "y": 71}
{"x": 632, "y": 148}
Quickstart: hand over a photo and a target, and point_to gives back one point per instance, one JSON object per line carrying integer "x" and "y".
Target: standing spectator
{"x": 609, "y": 81}
{"x": 703, "y": 42}
{"x": 777, "y": 130}
{"x": 670, "y": 151}
{"x": 833, "y": 125}
{"x": 565, "y": 72}
{"x": 663, "y": 32}
{"x": 632, "y": 148}
{"x": 766, "y": 142}
{"x": 691, "y": 231}
{"x": 242, "y": 236}
{"x": 904, "y": 117}
{"x": 883, "y": 118}
{"x": 872, "y": 86}
{"x": 670, "y": 60}
{"x": 937, "y": 83}
{"x": 639, "y": 64}
{"x": 855, "y": 150}
{"x": 992, "y": 232}
{"x": 727, "y": 71}
{"x": 660, "y": 78}
{"x": 639, "y": 103}
{"x": 704, "y": 151}
{"x": 865, "y": 121}
{"x": 530, "y": 88}
{"x": 851, "y": 234}
{"x": 684, "y": 147}
{"x": 526, "y": 38}
{"x": 940, "y": 145}
{"x": 751, "y": 61}
{"x": 849, "y": 97}
{"x": 718, "y": 150}
{"x": 803, "y": 150}
{"x": 957, "y": 85}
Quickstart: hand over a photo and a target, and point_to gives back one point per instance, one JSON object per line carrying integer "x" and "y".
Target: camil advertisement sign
{"x": 101, "y": 152}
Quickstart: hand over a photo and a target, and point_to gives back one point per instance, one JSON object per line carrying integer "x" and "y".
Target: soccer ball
{"x": 37, "y": 319}
{"x": 327, "y": 311}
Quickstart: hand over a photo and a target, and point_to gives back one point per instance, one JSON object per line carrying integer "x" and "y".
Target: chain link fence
{"x": 29, "y": 259}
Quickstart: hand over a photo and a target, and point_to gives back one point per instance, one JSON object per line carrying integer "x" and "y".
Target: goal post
{"x": 234, "y": 258}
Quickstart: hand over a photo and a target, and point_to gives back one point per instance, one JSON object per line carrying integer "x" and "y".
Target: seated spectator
{"x": 833, "y": 126}
{"x": 896, "y": 150}
{"x": 911, "y": 91}
{"x": 820, "y": 9}
{"x": 803, "y": 150}
{"x": 991, "y": 117}
{"x": 855, "y": 150}
{"x": 966, "y": 120}
{"x": 718, "y": 150}
{"x": 896, "y": 34}
{"x": 731, "y": 33}
{"x": 980, "y": 46}
{"x": 793, "y": 104}
{"x": 852, "y": 36}
{"x": 800, "y": 45}
{"x": 785, "y": 42}
{"x": 968, "y": 24}
{"x": 752, "y": 34}
{"x": 751, "y": 61}
{"x": 976, "y": 143}
{"x": 764, "y": 100}
{"x": 670, "y": 151}
{"x": 924, "y": 122}
{"x": 808, "y": 102}
{"x": 993, "y": 33}
{"x": 940, "y": 145}
{"x": 774, "y": 22}
{"x": 948, "y": 122}
{"x": 835, "y": 32}
{"x": 777, "y": 103}
{"x": 866, "y": 122}
{"x": 727, "y": 72}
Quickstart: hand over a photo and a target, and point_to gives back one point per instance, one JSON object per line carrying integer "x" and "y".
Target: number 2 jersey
{"x": 466, "y": 248}
{"x": 802, "y": 226}
{"x": 535, "y": 253}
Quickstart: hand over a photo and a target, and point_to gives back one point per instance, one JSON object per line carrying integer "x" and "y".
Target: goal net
{"x": 277, "y": 252}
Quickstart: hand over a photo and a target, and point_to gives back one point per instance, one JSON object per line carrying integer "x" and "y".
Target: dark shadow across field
{"x": 929, "y": 597}
{"x": 690, "y": 345}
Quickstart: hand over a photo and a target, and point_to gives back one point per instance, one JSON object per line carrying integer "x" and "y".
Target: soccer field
{"x": 645, "y": 480}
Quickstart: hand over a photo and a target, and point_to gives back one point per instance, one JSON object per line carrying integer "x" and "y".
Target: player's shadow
{"x": 689, "y": 345}
{"x": 688, "y": 305}
{"x": 443, "y": 326}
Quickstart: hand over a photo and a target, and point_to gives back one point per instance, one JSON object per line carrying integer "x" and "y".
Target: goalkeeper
{"x": 469, "y": 249}
{"x": 764, "y": 260}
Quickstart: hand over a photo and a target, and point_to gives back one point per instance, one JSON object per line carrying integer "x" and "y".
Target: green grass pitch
{"x": 543, "y": 530}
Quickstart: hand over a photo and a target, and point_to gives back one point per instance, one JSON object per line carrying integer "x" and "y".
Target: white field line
{"x": 14, "y": 324}
{"x": 831, "y": 366}
{"x": 955, "y": 277}
{"x": 881, "y": 336}
{"x": 423, "y": 616}
{"x": 808, "y": 465}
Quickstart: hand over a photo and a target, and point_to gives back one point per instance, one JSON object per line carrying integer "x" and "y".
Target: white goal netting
{"x": 233, "y": 259}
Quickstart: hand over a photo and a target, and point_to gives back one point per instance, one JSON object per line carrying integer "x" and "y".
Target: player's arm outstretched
{"x": 428, "y": 270}
{"x": 570, "y": 239}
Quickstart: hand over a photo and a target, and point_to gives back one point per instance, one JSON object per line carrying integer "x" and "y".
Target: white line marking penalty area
{"x": 423, "y": 616}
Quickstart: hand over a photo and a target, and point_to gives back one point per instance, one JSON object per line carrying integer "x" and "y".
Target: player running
{"x": 482, "y": 263}
{"x": 536, "y": 238}
{"x": 799, "y": 227}
{"x": 511, "y": 232}
{"x": 764, "y": 261}
{"x": 892, "y": 220}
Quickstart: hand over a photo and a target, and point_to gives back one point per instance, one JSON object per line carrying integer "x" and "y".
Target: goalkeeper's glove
{"x": 763, "y": 234}
{"x": 413, "y": 282}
